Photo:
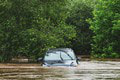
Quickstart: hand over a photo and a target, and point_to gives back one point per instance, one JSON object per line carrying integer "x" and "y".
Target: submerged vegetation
{"x": 29, "y": 28}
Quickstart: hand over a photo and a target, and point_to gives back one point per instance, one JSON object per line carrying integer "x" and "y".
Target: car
{"x": 59, "y": 57}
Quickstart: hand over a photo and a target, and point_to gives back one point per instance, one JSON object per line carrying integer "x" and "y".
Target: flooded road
{"x": 86, "y": 70}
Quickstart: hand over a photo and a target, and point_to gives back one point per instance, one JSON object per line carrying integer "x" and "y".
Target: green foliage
{"x": 105, "y": 25}
{"x": 79, "y": 15}
{"x": 114, "y": 55}
{"x": 28, "y": 28}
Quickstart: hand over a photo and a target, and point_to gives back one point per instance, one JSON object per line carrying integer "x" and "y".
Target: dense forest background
{"x": 30, "y": 27}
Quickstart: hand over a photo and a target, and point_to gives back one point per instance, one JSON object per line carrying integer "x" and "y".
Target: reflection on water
{"x": 92, "y": 70}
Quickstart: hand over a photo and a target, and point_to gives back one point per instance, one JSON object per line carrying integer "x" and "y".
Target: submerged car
{"x": 59, "y": 57}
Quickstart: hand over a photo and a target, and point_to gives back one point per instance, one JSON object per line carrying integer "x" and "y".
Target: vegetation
{"x": 29, "y": 28}
{"x": 80, "y": 12}
{"x": 106, "y": 28}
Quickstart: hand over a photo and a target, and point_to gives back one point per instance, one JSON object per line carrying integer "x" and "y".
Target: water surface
{"x": 86, "y": 70}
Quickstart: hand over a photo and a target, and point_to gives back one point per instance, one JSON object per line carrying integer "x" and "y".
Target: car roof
{"x": 59, "y": 49}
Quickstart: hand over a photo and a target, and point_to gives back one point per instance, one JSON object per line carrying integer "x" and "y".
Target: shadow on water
{"x": 87, "y": 70}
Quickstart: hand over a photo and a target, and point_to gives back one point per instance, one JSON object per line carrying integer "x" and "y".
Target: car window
{"x": 52, "y": 56}
{"x": 72, "y": 54}
{"x": 59, "y": 55}
{"x": 65, "y": 56}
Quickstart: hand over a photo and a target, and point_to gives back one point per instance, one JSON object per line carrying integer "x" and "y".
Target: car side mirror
{"x": 40, "y": 59}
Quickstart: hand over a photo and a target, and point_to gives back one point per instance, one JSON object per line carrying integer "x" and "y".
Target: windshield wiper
{"x": 66, "y": 53}
{"x": 61, "y": 57}
{"x": 70, "y": 56}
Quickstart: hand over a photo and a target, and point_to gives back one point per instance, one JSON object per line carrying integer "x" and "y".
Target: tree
{"x": 105, "y": 26}
{"x": 28, "y": 28}
{"x": 79, "y": 15}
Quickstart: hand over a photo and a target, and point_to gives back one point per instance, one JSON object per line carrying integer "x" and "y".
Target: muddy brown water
{"x": 86, "y": 70}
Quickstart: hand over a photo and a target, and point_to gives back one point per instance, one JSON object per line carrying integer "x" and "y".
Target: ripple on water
{"x": 87, "y": 70}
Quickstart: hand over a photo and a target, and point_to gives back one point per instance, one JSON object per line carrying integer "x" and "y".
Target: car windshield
{"x": 59, "y": 55}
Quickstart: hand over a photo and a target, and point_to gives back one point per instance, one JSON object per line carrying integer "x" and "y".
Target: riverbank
{"x": 81, "y": 57}
{"x": 88, "y": 58}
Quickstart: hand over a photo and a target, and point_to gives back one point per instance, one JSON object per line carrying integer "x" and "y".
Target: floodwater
{"x": 86, "y": 70}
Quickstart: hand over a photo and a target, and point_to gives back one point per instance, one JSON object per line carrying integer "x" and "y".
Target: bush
{"x": 114, "y": 55}
{"x": 105, "y": 26}
{"x": 29, "y": 28}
